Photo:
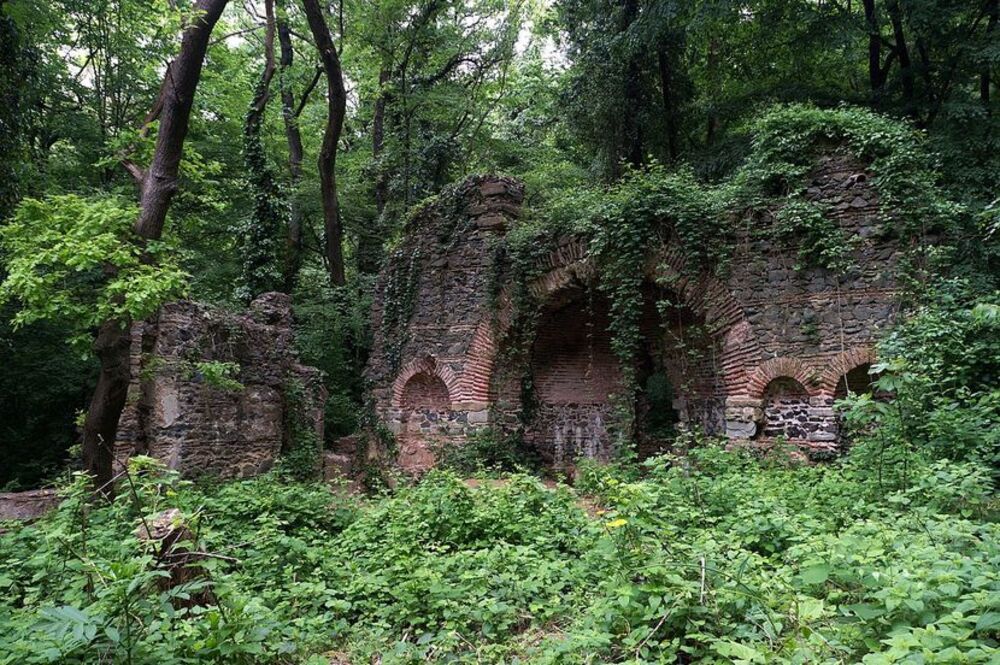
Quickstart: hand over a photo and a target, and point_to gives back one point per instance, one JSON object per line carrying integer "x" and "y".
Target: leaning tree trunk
{"x": 293, "y": 241}
{"x": 157, "y": 185}
{"x": 336, "y": 108}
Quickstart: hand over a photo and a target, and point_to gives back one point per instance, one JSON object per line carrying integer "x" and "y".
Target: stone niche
{"x": 757, "y": 354}
{"x": 199, "y": 426}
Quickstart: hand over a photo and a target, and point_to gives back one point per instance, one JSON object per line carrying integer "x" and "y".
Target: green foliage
{"x": 75, "y": 260}
{"x": 399, "y": 298}
{"x": 15, "y": 70}
{"x": 712, "y": 557}
{"x": 818, "y": 239}
{"x": 301, "y": 458}
{"x": 333, "y": 333}
{"x": 261, "y": 235}
{"x": 43, "y": 385}
{"x": 486, "y": 451}
{"x": 218, "y": 374}
{"x": 940, "y": 367}
{"x": 81, "y": 587}
{"x": 787, "y": 139}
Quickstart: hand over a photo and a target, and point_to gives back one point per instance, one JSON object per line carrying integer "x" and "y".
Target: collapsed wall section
{"x": 219, "y": 393}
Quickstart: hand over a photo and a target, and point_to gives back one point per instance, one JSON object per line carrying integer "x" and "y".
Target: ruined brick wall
{"x": 574, "y": 374}
{"x": 730, "y": 345}
{"x": 440, "y": 275}
{"x": 812, "y": 325}
{"x": 176, "y": 414}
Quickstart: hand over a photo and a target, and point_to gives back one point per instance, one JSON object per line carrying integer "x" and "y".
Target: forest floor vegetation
{"x": 714, "y": 556}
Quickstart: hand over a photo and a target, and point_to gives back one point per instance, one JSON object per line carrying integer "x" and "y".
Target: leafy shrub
{"x": 59, "y": 251}
{"x": 709, "y": 557}
{"x": 941, "y": 367}
{"x": 486, "y": 450}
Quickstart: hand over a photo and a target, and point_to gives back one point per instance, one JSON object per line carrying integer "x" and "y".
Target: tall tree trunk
{"x": 370, "y": 240}
{"x": 293, "y": 242}
{"x": 993, "y": 11}
{"x": 336, "y": 109}
{"x": 875, "y": 78}
{"x": 160, "y": 180}
{"x": 100, "y": 427}
{"x": 378, "y": 140}
{"x": 903, "y": 53}
{"x": 260, "y": 255}
{"x": 631, "y": 127}
{"x": 262, "y": 93}
{"x": 669, "y": 105}
{"x": 158, "y": 184}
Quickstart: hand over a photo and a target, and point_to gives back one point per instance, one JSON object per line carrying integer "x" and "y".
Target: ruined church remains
{"x": 756, "y": 354}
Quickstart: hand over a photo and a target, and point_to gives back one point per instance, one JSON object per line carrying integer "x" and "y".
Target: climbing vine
{"x": 398, "y": 299}
{"x": 787, "y": 140}
{"x": 517, "y": 262}
{"x": 301, "y": 457}
{"x": 817, "y": 240}
{"x": 260, "y": 234}
{"x": 649, "y": 208}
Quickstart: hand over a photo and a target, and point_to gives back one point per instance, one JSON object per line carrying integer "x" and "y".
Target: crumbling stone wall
{"x": 27, "y": 505}
{"x": 722, "y": 342}
{"x": 574, "y": 373}
{"x": 177, "y": 414}
{"x": 439, "y": 280}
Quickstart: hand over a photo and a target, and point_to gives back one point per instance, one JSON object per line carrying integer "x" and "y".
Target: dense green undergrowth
{"x": 713, "y": 557}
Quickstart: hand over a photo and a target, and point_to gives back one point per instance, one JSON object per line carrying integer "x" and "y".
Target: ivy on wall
{"x": 626, "y": 223}
{"x": 445, "y": 215}
{"x": 260, "y": 235}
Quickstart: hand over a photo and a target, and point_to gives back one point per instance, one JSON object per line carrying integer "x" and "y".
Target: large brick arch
{"x": 430, "y": 366}
{"x": 569, "y": 265}
{"x": 777, "y": 368}
{"x": 843, "y": 363}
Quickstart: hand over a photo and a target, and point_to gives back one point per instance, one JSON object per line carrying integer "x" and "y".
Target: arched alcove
{"x": 424, "y": 391}
{"x": 426, "y": 418}
{"x": 686, "y": 353}
{"x": 722, "y": 333}
{"x": 856, "y": 381}
{"x": 786, "y": 409}
{"x": 573, "y": 373}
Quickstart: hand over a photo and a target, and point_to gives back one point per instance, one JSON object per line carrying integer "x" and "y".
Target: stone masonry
{"x": 176, "y": 413}
{"x": 756, "y": 354}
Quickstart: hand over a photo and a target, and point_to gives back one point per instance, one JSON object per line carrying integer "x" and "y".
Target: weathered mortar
{"x": 174, "y": 414}
{"x": 765, "y": 320}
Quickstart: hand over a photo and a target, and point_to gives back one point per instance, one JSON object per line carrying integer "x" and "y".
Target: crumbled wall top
{"x": 230, "y": 428}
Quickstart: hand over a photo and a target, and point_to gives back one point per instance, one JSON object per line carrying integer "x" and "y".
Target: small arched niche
{"x": 786, "y": 409}
{"x": 425, "y": 412}
{"x": 857, "y": 381}
{"x": 425, "y": 391}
